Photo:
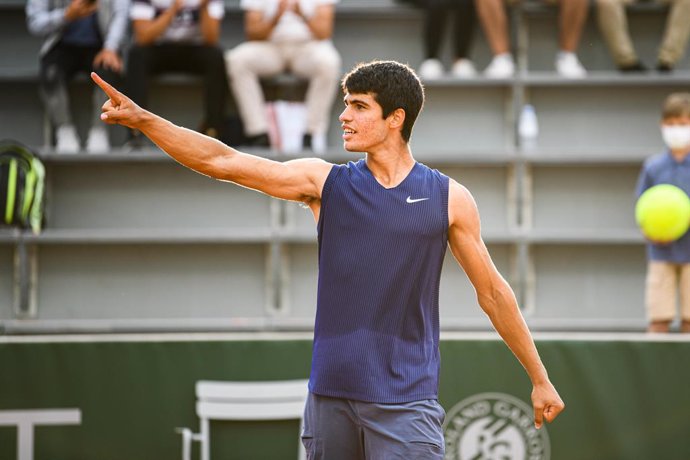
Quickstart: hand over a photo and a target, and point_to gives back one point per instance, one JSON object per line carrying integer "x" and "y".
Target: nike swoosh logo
{"x": 415, "y": 200}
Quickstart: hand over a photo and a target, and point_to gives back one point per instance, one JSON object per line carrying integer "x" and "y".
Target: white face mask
{"x": 676, "y": 136}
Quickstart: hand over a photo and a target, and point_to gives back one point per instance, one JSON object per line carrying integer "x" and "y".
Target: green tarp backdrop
{"x": 627, "y": 398}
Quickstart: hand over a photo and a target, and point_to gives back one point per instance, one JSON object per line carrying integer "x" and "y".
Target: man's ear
{"x": 396, "y": 118}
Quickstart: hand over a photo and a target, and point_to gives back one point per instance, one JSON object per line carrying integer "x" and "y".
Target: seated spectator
{"x": 81, "y": 36}
{"x": 286, "y": 35}
{"x": 437, "y": 12}
{"x": 179, "y": 36}
{"x": 573, "y": 15}
{"x": 614, "y": 28}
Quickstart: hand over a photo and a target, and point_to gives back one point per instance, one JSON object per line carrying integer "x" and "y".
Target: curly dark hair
{"x": 393, "y": 85}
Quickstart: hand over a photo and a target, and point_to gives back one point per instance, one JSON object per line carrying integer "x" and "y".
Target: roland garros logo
{"x": 494, "y": 426}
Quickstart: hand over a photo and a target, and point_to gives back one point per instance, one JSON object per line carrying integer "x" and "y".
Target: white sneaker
{"x": 98, "y": 142}
{"x": 67, "y": 140}
{"x": 431, "y": 69}
{"x": 501, "y": 66}
{"x": 463, "y": 68}
{"x": 569, "y": 66}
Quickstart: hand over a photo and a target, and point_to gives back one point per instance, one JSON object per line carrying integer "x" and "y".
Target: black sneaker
{"x": 664, "y": 67}
{"x": 636, "y": 66}
{"x": 260, "y": 140}
{"x": 306, "y": 141}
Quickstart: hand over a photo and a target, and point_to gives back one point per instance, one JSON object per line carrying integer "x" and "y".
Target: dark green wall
{"x": 625, "y": 400}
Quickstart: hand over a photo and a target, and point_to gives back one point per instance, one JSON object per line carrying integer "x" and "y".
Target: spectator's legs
{"x": 463, "y": 34}
{"x": 57, "y": 67}
{"x": 573, "y": 16}
{"x": 206, "y": 61}
{"x": 98, "y": 140}
{"x": 211, "y": 63}
{"x": 660, "y": 295}
{"x": 435, "y": 19}
{"x": 676, "y": 34}
{"x": 613, "y": 25}
{"x": 320, "y": 62}
{"x": 494, "y": 20}
{"x": 465, "y": 23}
{"x": 685, "y": 297}
{"x": 246, "y": 63}
{"x": 572, "y": 19}
{"x": 139, "y": 70}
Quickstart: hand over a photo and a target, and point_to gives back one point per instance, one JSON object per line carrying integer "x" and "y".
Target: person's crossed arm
{"x": 497, "y": 300}
{"x": 146, "y": 31}
{"x": 297, "y": 180}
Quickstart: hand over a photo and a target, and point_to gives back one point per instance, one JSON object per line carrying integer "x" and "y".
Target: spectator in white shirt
{"x": 179, "y": 36}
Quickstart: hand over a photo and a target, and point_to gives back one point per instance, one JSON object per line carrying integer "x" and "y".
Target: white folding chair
{"x": 277, "y": 400}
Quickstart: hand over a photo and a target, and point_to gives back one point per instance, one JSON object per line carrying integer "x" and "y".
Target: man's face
{"x": 363, "y": 124}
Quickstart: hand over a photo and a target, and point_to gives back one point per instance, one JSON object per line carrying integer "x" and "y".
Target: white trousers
{"x": 317, "y": 61}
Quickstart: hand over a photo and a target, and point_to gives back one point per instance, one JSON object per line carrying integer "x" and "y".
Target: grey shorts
{"x": 343, "y": 429}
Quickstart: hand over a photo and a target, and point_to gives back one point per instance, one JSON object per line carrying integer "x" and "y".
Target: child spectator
{"x": 668, "y": 268}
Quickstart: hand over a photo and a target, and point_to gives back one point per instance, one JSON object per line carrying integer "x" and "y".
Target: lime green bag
{"x": 22, "y": 177}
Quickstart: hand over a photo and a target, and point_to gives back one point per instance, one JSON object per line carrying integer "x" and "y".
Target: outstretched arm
{"x": 296, "y": 180}
{"x": 497, "y": 300}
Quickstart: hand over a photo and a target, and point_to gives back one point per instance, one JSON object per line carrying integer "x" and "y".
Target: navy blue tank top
{"x": 376, "y": 336}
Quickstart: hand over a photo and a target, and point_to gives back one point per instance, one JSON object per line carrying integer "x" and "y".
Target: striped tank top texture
{"x": 376, "y": 336}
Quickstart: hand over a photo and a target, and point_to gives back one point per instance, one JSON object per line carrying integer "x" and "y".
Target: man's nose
{"x": 344, "y": 115}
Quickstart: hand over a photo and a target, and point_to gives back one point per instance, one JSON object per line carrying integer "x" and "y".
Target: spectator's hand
{"x": 118, "y": 108}
{"x": 108, "y": 59}
{"x": 78, "y": 9}
{"x": 285, "y": 5}
{"x": 176, "y": 6}
{"x": 546, "y": 402}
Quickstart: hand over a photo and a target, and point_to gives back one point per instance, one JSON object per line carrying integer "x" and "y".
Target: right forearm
{"x": 189, "y": 148}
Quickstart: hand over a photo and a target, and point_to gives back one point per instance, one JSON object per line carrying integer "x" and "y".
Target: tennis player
{"x": 384, "y": 223}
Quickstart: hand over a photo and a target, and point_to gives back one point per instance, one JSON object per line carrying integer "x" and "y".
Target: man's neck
{"x": 390, "y": 166}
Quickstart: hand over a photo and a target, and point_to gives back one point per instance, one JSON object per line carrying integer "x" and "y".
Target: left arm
{"x": 497, "y": 299}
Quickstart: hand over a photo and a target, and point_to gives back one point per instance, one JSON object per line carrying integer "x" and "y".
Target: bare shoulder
{"x": 461, "y": 204}
{"x": 316, "y": 170}
{"x": 315, "y": 167}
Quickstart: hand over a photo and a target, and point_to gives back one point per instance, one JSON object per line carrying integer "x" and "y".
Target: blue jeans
{"x": 343, "y": 429}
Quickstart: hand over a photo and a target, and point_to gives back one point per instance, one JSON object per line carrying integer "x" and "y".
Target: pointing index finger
{"x": 112, "y": 93}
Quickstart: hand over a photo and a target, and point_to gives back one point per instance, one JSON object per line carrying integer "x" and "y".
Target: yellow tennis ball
{"x": 663, "y": 213}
